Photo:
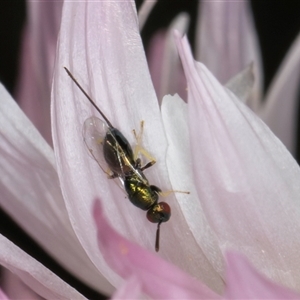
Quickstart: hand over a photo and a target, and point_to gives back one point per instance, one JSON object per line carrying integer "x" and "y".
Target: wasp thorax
{"x": 160, "y": 212}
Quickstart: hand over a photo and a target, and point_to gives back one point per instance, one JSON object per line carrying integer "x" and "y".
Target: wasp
{"x": 108, "y": 145}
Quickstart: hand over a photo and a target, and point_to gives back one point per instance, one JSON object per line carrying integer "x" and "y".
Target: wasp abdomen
{"x": 118, "y": 152}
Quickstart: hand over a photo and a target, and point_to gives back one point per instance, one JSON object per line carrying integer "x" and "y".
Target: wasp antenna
{"x": 89, "y": 98}
{"x": 157, "y": 237}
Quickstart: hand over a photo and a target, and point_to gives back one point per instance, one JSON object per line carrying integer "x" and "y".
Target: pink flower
{"x": 2, "y": 295}
{"x": 148, "y": 273}
{"x": 226, "y": 42}
{"x": 244, "y": 184}
{"x": 38, "y": 55}
{"x": 213, "y": 147}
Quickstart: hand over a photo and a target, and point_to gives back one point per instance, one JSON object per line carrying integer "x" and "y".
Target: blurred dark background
{"x": 277, "y": 23}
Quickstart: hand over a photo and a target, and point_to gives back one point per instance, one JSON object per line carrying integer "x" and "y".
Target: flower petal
{"x": 244, "y": 282}
{"x": 155, "y": 56}
{"x": 37, "y": 63}
{"x": 246, "y": 180}
{"x": 227, "y": 42}
{"x": 207, "y": 262}
{"x": 31, "y": 194}
{"x": 15, "y": 288}
{"x": 159, "y": 279}
{"x": 145, "y": 11}
{"x": 281, "y": 103}
{"x": 164, "y": 64}
{"x": 2, "y": 295}
{"x": 100, "y": 43}
{"x": 32, "y": 273}
{"x": 242, "y": 83}
{"x": 131, "y": 289}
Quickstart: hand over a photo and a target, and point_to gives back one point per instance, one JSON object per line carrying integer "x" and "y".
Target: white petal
{"x": 37, "y": 63}
{"x": 227, "y": 42}
{"x": 172, "y": 76}
{"x": 164, "y": 64}
{"x": 100, "y": 43}
{"x": 145, "y": 11}
{"x": 15, "y": 288}
{"x": 201, "y": 243}
{"x": 244, "y": 282}
{"x": 155, "y": 56}
{"x": 31, "y": 194}
{"x": 247, "y": 181}
{"x": 130, "y": 289}
{"x": 242, "y": 84}
{"x": 32, "y": 273}
{"x": 281, "y": 103}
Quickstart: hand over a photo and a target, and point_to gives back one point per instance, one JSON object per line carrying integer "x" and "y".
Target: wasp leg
{"x": 138, "y": 149}
{"x": 112, "y": 176}
{"x": 168, "y": 193}
{"x": 138, "y": 137}
{"x": 155, "y": 189}
{"x": 99, "y": 141}
{"x": 148, "y": 165}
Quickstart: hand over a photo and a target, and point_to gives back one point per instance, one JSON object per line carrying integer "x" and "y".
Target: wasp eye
{"x": 160, "y": 212}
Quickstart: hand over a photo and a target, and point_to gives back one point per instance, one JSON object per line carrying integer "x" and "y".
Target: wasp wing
{"x": 111, "y": 150}
{"x": 94, "y": 132}
{"x": 108, "y": 147}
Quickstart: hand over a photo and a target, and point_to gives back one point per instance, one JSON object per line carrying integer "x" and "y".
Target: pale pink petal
{"x": 159, "y": 279}
{"x": 116, "y": 76}
{"x": 130, "y": 289}
{"x": 31, "y": 194}
{"x": 247, "y": 181}
{"x": 41, "y": 280}
{"x": 164, "y": 64}
{"x": 111, "y": 66}
{"x": 155, "y": 56}
{"x": 15, "y": 288}
{"x": 242, "y": 83}
{"x": 227, "y": 42}
{"x": 207, "y": 261}
{"x": 2, "y": 295}
{"x": 173, "y": 79}
{"x": 244, "y": 282}
{"x": 281, "y": 104}
{"x": 145, "y": 11}
{"x": 37, "y": 62}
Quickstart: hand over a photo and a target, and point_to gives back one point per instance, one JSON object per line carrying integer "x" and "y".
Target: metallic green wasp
{"x": 110, "y": 148}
